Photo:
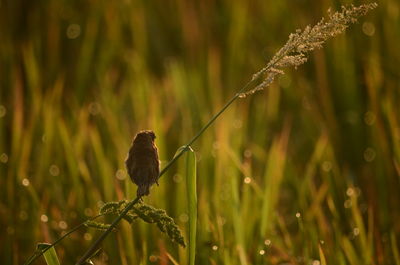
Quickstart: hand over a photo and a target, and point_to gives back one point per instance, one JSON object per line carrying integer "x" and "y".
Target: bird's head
{"x": 146, "y": 135}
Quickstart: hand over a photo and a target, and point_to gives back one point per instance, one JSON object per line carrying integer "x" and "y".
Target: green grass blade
{"x": 321, "y": 255}
{"x": 50, "y": 255}
{"x": 395, "y": 248}
{"x": 192, "y": 202}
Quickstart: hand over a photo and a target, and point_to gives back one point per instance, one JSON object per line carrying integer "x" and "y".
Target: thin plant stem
{"x": 95, "y": 245}
{"x": 237, "y": 95}
{"x": 37, "y": 254}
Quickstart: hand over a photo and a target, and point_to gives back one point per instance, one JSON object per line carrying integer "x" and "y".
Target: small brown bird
{"x": 142, "y": 162}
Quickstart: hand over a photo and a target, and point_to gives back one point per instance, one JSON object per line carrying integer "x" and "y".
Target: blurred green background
{"x": 305, "y": 171}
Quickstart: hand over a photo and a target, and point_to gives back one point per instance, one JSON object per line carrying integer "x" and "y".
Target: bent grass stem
{"x": 95, "y": 245}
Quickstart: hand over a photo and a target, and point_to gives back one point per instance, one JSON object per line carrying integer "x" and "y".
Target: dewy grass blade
{"x": 192, "y": 202}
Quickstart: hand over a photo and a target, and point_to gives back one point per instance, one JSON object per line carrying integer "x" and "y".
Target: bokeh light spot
{"x": 44, "y": 218}
{"x": 177, "y": 178}
{"x": 347, "y": 204}
{"x": 350, "y": 192}
{"x": 237, "y": 124}
{"x": 327, "y": 166}
{"x": 184, "y": 218}
{"x": 100, "y": 204}
{"x": 216, "y": 145}
{"x": 94, "y": 108}
{"x": 10, "y": 230}
{"x": 87, "y": 236}
{"x": 368, "y": 28}
{"x": 63, "y": 225}
{"x": 356, "y": 231}
{"x": 369, "y": 154}
{"x": 88, "y": 212}
{"x": 54, "y": 170}
{"x": 247, "y": 153}
{"x": 3, "y": 111}
{"x": 369, "y": 118}
{"x": 73, "y": 31}
{"x": 120, "y": 174}
{"x": 153, "y": 258}
{"x": 23, "y": 215}
{"x": 3, "y": 158}
{"x": 26, "y": 182}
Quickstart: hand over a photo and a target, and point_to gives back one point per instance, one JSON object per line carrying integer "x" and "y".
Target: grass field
{"x": 305, "y": 172}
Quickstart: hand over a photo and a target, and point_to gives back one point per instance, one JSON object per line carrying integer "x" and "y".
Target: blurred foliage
{"x": 307, "y": 170}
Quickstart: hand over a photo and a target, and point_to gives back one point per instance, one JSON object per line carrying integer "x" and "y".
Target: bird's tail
{"x": 143, "y": 190}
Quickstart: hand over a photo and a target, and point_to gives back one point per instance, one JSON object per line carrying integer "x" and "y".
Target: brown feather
{"x": 142, "y": 162}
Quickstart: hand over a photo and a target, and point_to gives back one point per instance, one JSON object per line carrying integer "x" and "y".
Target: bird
{"x": 142, "y": 162}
